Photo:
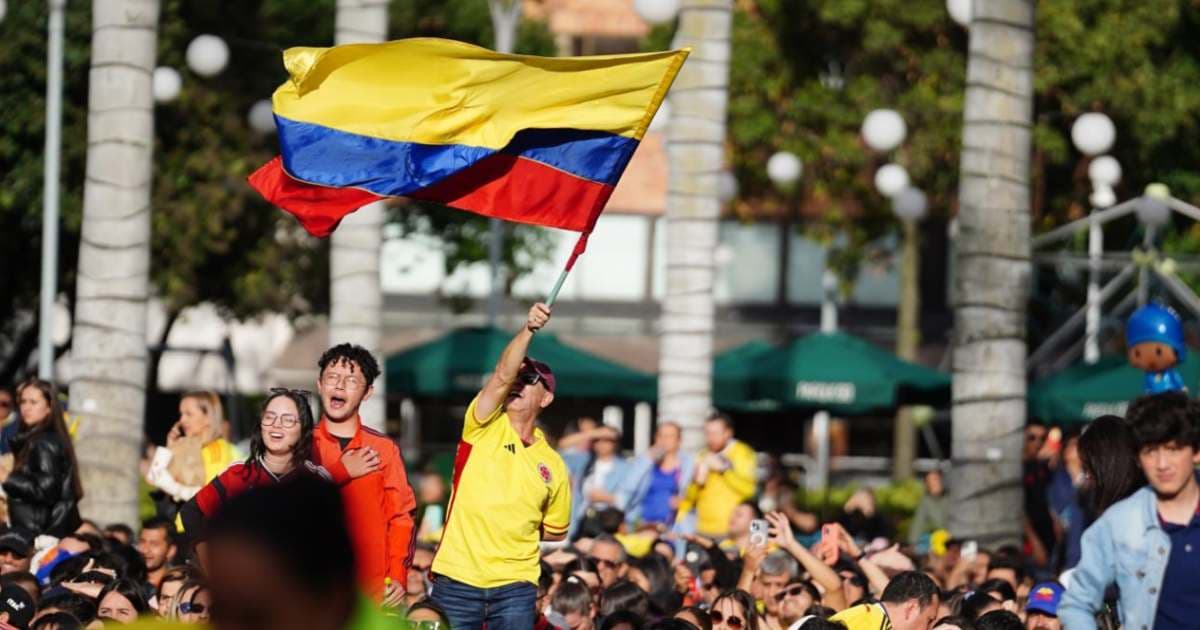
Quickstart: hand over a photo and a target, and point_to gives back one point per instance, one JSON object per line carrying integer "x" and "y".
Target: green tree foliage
{"x": 1139, "y": 62}
{"x": 214, "y": 239}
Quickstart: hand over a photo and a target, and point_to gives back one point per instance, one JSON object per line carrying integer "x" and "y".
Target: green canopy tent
{"x": 457, "y": 363}
{"x": 733, "y": 376}
{"x": 1084, "y": 392}
{"x": 844, "y": 375}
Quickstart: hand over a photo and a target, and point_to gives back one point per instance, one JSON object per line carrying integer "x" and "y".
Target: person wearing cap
{"x": 16, "y": 550}
{"x": 16, "y": 608}
{"x": 1041, "y": 609}
{"x": 510, "y": 492}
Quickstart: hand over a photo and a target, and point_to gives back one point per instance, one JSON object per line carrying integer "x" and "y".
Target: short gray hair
{"x": 611, "y": 540}
{"x": 779, "y": 563}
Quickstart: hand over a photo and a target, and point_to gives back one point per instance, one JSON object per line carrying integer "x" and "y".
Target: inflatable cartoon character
{"x": 1154, "y": 336}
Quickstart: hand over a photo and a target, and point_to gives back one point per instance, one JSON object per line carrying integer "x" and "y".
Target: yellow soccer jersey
{"x": 504, "y": 495}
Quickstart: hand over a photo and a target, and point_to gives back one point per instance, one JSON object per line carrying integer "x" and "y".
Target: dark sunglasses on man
{"x": 794, "y": 591}
{"x": 733, "y": 621}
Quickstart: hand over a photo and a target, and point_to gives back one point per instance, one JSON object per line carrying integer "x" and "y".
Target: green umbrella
{"x": 457, "y": 363}
{"x": 1084, "y": 391}
{"x": 733, "y": 377}
{"x": 843, "y": 374}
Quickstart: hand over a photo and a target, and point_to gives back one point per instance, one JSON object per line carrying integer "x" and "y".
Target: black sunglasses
{"x": 733, "y": 621}
{"x": 795, "y": 591}
{"x": 529, "y": 377}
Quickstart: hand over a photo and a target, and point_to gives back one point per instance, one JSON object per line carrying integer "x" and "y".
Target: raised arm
{"x": 496, "y": 390}
{"x": 821, "y": 573}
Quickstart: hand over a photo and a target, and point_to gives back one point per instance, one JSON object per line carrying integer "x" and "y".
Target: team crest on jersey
{"x": 544, "y": 471}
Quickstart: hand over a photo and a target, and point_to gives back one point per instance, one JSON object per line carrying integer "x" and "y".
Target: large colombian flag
{"x": 529, "y": 139}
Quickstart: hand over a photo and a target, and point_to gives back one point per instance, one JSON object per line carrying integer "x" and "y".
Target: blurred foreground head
{"x": 280, "y": 557}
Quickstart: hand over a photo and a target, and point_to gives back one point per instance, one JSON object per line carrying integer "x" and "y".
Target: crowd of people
{"x": 316, "y": 526}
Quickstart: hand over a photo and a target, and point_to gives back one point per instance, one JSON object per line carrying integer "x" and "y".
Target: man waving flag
{"x": 528, "y": 139}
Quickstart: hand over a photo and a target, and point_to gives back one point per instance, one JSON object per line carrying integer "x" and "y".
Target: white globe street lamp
{"x": 890, "y": 179}
{"x": 1105, "y": 170}
{"x": 262, "y": 117}
{"x": 166, "y": 84}
{"x": 909, "y": 204}
{"x": 1103, "y": 196}
{"x": 784, "y": 169}
{"x": 1152, "y": 208}
{"x": 884, "y": 130}
{"x": 960, "y": 11}
{"x": 207, "y": 55}
{"x": 656, "y": 11}
{"x": 3, "y": 9}
{"x": 662, "y": 118}
{"x": 1093, "y": 133}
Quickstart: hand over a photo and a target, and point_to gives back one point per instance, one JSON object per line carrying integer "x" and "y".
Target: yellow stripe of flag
{"x": 436, "y": 91}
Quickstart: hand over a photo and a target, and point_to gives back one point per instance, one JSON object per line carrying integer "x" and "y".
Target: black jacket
{"x": 41, "y": 495}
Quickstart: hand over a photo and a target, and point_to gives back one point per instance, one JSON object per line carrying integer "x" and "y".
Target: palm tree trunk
{"x": 356, "y": 299}
{"x": 993, "y": 274}
{"x": 695, "y": 151}
{"x": 109, "y": 341}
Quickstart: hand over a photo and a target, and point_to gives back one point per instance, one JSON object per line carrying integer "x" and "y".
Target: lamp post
{"x": 1092, "y": 134}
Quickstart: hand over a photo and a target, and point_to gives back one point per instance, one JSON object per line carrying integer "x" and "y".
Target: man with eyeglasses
{"x": 510, "y": 491}
{"x": 368, "y": 468}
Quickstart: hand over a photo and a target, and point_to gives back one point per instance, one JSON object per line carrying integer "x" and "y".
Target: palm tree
{"x": 356, "y": 300}
{"x": 108, "y": 388}
{"x": 695, "y": 150}
{"x": 993, "y": 273}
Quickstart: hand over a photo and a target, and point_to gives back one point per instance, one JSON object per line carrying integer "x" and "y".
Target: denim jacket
{"x": 614, "y": 483}
{"x": 1126, "y": 546}
{"x": 637, "y": 483}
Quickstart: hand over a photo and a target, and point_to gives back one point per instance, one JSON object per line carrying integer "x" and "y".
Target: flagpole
{"x": 580, "y": 246}
{"x": 562, "y": 277}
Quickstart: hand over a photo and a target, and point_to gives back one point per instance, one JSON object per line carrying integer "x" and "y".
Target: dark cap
{"x": 18, "y": 604}
{"x": 542, "y": 370}
{"x": 16, "y": 541}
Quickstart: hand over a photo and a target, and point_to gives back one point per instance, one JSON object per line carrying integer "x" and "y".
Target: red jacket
{"x": 235, "y": 480}
{"x": 379, "y": 507}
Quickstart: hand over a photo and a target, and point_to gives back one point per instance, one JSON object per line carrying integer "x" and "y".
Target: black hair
{"x": 908, "y": 586}
{"x": 607, "y": 522}
{"x": 663, "y": 597}
{"x": 999, "y": 620}
{"x": 58, "y": 621}
{"x": 671, "y": 623}
{"x": 624, "y": 595}
{"x": 1035, "y": 421}
{"x": 545, "y": 577}
{"x": 94, "y": 542}
{"x": 163, "y": 523}
{"x": 69, "y": 569}
{"x": 24, "y": 579}
{"x": 621, "y": 619}
{"x": 700, "y": 614}
{"x": 351, "y": 354}
{"x": 974, "y": 604}
{"x": 302, "y": 451}
{"x": 120, "y": 528}
{"x": 750, "y": 503}
{"x": 431, "y": 606}
{"x": 746, "y": 601}
{"x": 1163, "y": 418}
{"x": 134, "y": 565}
{"x": 572, "y": 597}
{"x": 822, "y": 623}
{"x": 130, "y": 591}
{"x": 1108, "y": 451}
{"x": 581, "y": 564}
{"x": 958, "y": 621}
{"x": 998, "y": 587}
{"x": 1006, "y": 561}
{"x": 78, "y": 606}
{"x": 55, "y": 424}
{"x": 723, "y": 418}
{"x": 818, "y": 610}
{"x": 283, "y": 520}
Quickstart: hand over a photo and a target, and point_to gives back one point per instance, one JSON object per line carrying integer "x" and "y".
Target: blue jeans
{"x": 508, "y": 607}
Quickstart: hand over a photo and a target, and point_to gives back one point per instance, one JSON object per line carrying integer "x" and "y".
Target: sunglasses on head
{"x": 794, "y": 591}
{"x": 298, "y": 392}
{"x": 733, "y": 621}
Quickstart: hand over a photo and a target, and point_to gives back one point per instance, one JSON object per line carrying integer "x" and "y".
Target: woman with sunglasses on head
{"x": 734, "y": 610}
{"x": 281, "y": 448}
{"x": 43, "y": 488}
